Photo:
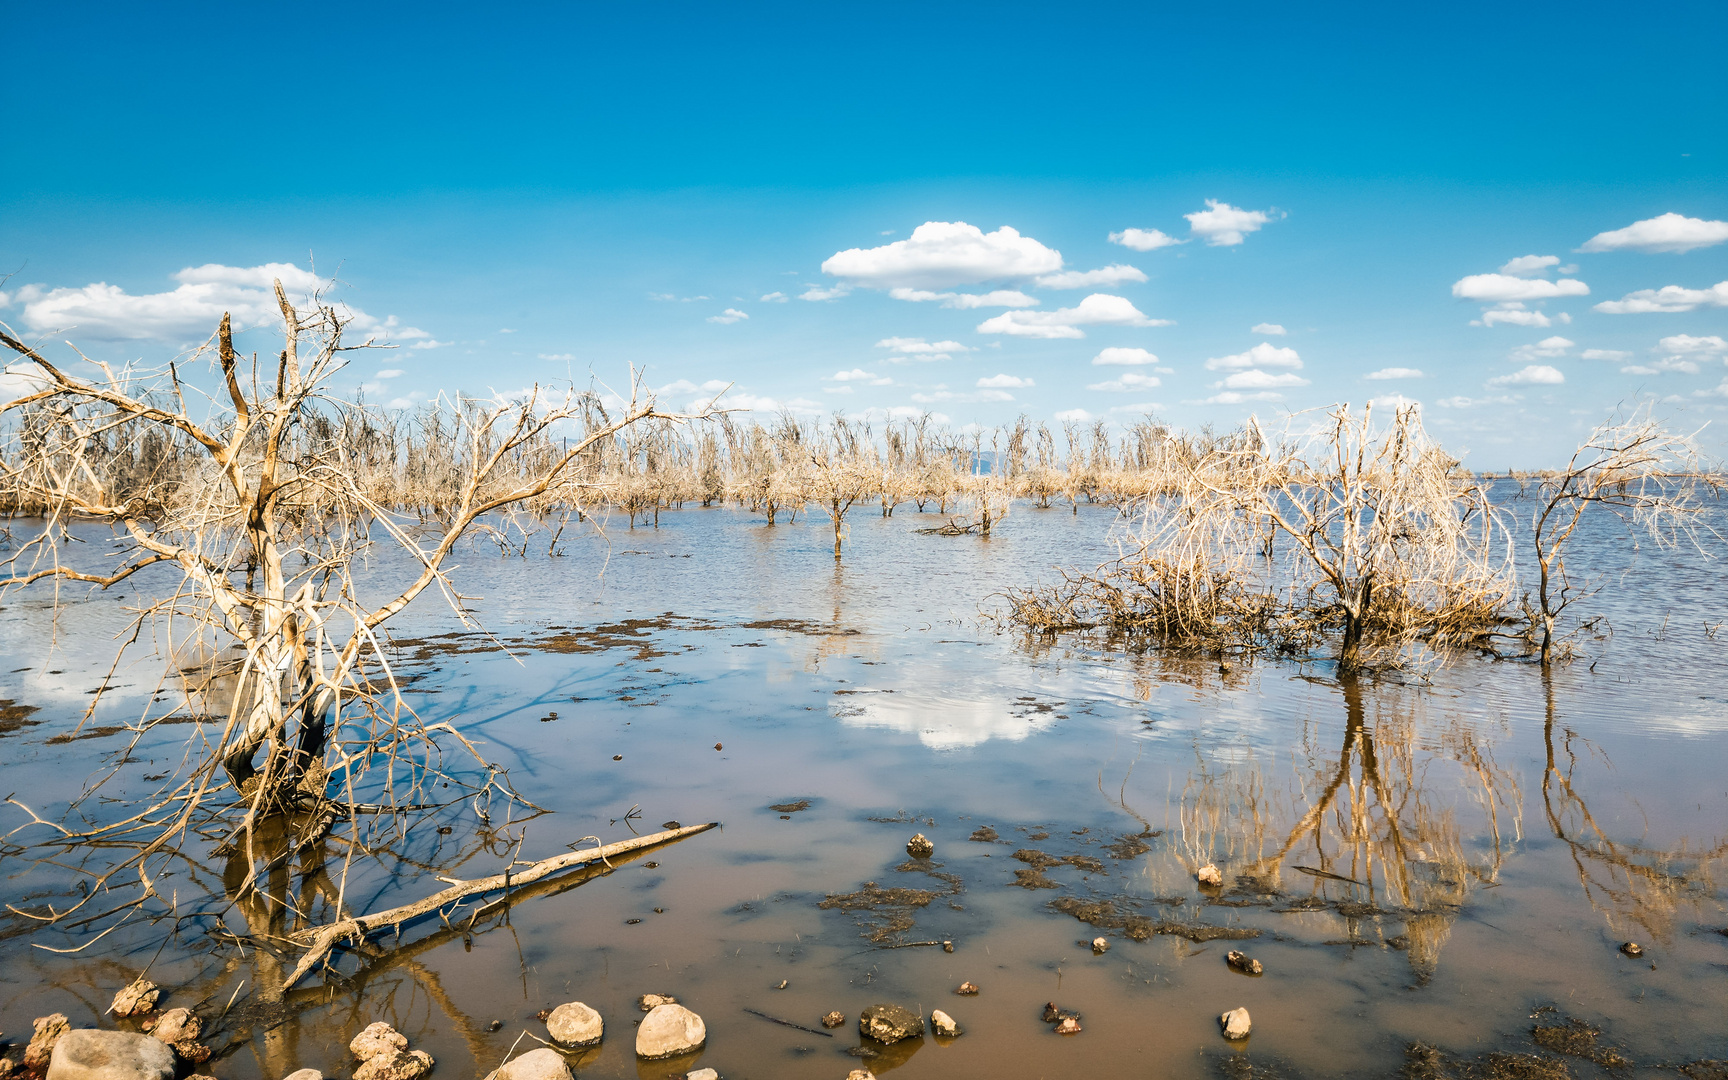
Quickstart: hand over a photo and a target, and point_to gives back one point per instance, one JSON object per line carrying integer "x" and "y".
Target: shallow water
{"x": 1502, "y": 831}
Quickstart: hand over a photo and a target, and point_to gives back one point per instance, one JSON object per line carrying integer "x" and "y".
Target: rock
{"x": 834, "y": 1019}
{"x": 137, "y": 999}
{"x": 1236, "y": 1024}
{"x": 943, "y": 1024}
{"x": 396, "y": 1065}
{"x": 304, "y": 1074}
{"x": 575, "y": 1024}
{"x": 1242, "y": 962}
{"x": 49, "y": 1030}
{"x": 88, "y": 1054}
{"x": 377, "y": 1039}
{"x": 702, "y": 1074}
{"x": 542, "y": 1064}
{"x": 1100, "y": 946}
{"x": 6, "y": 1067}
{"x": 180, "y": 1025}
{"x": 667, "y": 1031}
{"x": 947, "y": 946}
{"x": 860, "y": 1074}
{"x": 1209, "y": 875}
{"x": 650, "y": 1002}
{"x": 889, "y": 1023}
{"x": 1632, "y": 948}
{"x": 966, "y": 989}
{"x": 920, "y": 847}
{"x": 1068, "y": 1026}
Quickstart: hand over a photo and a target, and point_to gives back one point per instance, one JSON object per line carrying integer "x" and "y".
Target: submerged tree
{"x": 265, "y": 501}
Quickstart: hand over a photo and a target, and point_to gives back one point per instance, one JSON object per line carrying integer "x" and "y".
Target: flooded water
{"x": 1440, "y": 856}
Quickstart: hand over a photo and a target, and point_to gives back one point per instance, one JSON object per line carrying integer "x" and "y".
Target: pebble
{"x": 1243, "y": 962}
{"x": 834, "y": 1019}
{"x": 1068, "y": 1026}
{"x": 88, "y": 1054}
{"x": 650, "y": 1002}
{"x": 575, "y": 1024}
{"x": 136, "y": 999}
{"x": 177, "y": 1025}
{"x": 889, "y": 1023}
{"x": 1209, "y": 875}
{"x": 943, "y": 1024}
{"x": 376, "y": 1039}
{"x": 395, "y": 1065}
{"x": 49, "y": 1031}
{"x": 717, "y": 746}
{"x": 966, "y": 989}
{"x": 920, "y": 847}
{"x": 1236, "y": 1024}
{"x": 702, "y": 1074}
{"x": 543, "y": 1063}
{"x": 1632, "y": 948}
{"x": 669, "y": 1030}
{"x": 1100, "y": 946}
{"x": 860, "y": 1074}
{"x": 304, "y": 1074}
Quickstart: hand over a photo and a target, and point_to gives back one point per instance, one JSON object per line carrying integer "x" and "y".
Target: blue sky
{"x": 537, "y": 192}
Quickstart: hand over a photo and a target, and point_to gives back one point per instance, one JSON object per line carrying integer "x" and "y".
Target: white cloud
{"x": 1233, "y": 397}
{"x": 684, "y": 386}
{"x": 1461, "y": 402}
{"x": 1605, "y": 354}
{"x": 1107, "y": 277}
{"x": 1223, "y": 225}
{"x": 1271, "y": 329}
{"x": 919, "y": 345}
{"x": 941, "y": 254}
{"x": 20, "y": 379}
{"x": 1663, "y": 367}
{"x": 1009, "y": 298}
{"x": 1078, "y": 416}
{"x": 901, "y": 412}
{"x": 1392, "y": 401}
{"x": 557, "y": 356}
{"x": 942, "y": 393}
{"x": 1261, "y": 380}
{"x": 389, "y": 373}
{"x": 1546, "y": 349}
{"x": 1513, "y": 313}
{"x": 760, "y": 403}
{"x": 1004, "y": 382}
{"x": 1526, "y": 265}
{"x": 1493, "y": 288}
{"x": 1687, "y": 345}
{"x": 1395, "y": 373}
{"x": 1128, "y": 380}
{"x": 1535, "y": 374}
{"x": 774, "y": 298}
{"x": 860, "y": 375}
{"x": 1669, "y": 232}
{"x": 192, "y": 310}
{"x": 727, "y": 317}
{"x": 1144, "y": 239}
{"x": 1667, "y": 299}
{"x": 675, "y": 298}
{"x": 1719, "y": 390}
{"x": 506, "y": 330}
{"x": 1099, "y": 309}
{"x": 1115, "y": 356}
{"x": 818, "y": 293}
{"x": 1264, "y": 354}
{"x": 1139, "y": 407}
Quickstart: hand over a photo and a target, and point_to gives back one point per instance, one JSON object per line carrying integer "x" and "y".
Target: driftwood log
{"x": 321, "y": 939}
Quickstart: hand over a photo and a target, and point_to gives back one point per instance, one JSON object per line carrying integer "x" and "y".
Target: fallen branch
{"x": 321, "y": 939}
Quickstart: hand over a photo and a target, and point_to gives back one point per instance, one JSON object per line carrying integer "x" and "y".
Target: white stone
{"x": 702, "y": 1074}
{"x": 542, "y": 1064}
{"x": 1236, "y": 1024}
{"x": 943, "y": 1024}
{"x": 304, "y": 1074}
{"x": 575, "y": 1024}
{"x": 88, "y": 1054}
{"x": 670, "y": 1030}
{"x": 375, "y": 1040}
{"x": 1209, "y": 875}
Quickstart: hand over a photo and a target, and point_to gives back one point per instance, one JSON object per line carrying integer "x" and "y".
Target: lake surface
{"x": 1440, "y": 855}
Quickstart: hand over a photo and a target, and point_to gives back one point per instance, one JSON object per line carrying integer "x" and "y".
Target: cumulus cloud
{"x": 1077, "y": 416}
{"x": 1395, "y": 373}
{"x": 1462, "y": 402}
{"x": 1106, "y": 277}
{"x": 942, "y": 393}
{"x": 1128, "y": 380}
{"x": 1494, "y": 288}
{"x": 859, "y": 375}
{"x": 1664, "y": 366}
{"x": 1013, "y": 382}
{"x": 919, "y": 345}
{"x": 191, "y": 310}
{"x": 1264, "y": 354}
{"x": 1605, "y": 354}
{"x": 1144, "y": 239}
{"x": 817, "y": 293}
{"x": 1719, "y": 390}
{"x": 727, "y": 317}
{"x": 1667, "y": 299}
{"x": 1514, "y": 313}
{"x": 1115, "y": 356}
{"x": 1526, "y": 265}
{"x": 1669, "y": 232}
{"x": 1687, "y": 345}
{"x": 1008, "y": 298}
{"x": 1546, "y": 349}
{"x": 942, "y": 254}
{"x": 1099, "y": 309}
{"x": 1255, "y": 379}
{"x": 666, "y": 297}
{"x": 761, "y": 403}
{"x": 1223, "y": 225}
{"x": 1236, "y": 397}
{"x": 1534, "y": 375}
{"x": 557, "y": 356}
{"x": 1271, "y": 329}
{"x": 774, "y": 298}
{"x": 1393, "y": 401}
{"x": 901, "y": 412}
